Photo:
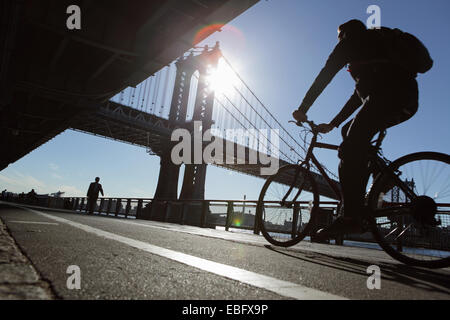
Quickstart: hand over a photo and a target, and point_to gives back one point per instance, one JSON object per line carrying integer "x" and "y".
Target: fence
{"x": 236, "y": 214}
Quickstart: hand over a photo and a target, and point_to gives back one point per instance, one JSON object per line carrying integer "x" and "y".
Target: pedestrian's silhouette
{"x": 92, "y": 194}
{"x": 32, "y": 197}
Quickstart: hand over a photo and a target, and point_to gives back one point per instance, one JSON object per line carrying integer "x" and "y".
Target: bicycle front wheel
{"x": 287, "y": 203}
{"x": 414, "y": 227}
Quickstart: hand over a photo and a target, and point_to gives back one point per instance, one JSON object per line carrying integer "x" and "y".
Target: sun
{"x": 222, "y": 80}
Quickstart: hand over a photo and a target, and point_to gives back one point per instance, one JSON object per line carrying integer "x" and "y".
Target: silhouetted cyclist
{"x": 384, "y": 64}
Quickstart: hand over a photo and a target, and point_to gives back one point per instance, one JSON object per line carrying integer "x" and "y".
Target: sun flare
{"x": 222, "y": 80}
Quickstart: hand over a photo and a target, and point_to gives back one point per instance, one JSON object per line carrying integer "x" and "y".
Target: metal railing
{"x": 211, "y": 213}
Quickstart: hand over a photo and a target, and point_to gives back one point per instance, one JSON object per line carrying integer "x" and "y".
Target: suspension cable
{"x": 262, "y": 104}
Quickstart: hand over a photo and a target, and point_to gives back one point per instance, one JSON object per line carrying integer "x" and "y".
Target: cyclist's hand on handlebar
{"x": 324, "y": 128}
{"x": 299, "y": 116}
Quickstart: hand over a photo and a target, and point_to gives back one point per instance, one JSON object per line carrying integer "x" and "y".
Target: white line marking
{"x": 369, "y": 255}
{"x": 281, "y": 287}
{"x": 35, "y": 222}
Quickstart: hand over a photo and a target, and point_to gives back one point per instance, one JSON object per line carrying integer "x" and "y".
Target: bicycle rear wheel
{"x": 414, "y": 229}
{"x": 285, "y": 223}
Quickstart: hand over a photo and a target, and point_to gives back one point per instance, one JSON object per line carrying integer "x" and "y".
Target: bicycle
{"x": 412, "y": 225}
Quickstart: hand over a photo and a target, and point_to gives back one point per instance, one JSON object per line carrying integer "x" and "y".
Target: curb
{"x": 19, "y": 280}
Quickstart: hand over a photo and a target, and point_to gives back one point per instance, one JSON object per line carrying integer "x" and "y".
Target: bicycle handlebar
{"x": 311, "y": 124}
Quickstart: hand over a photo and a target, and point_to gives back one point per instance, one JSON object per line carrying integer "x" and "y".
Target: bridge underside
{"x": 127, "y": 125}
{"x": 50, "y": 74}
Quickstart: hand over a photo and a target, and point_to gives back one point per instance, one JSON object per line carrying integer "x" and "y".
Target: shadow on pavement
{"x": 415, "y": 277}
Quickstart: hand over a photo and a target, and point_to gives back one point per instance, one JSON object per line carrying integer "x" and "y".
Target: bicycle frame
{"x": 389, "y": 232}
{"x": 378, "y": 161}
{"x": 306, "y": 163}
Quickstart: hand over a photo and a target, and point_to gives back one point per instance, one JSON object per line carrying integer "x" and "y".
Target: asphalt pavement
{"x": 138, "y": 259}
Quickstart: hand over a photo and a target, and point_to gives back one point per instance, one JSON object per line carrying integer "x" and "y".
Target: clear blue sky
{"x": 278, "y": 47}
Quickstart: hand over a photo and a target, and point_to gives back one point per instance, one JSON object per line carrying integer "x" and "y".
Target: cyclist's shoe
{"x": 342, "y": 225}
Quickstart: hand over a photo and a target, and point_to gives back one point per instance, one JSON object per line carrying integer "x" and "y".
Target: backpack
{"x": 405, "y": 50}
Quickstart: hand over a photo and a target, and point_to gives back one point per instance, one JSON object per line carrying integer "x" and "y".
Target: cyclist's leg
{"x": 354, "y": 154}
{"x": 357, "y": 135}
{"x": 344, "y": 132}
{"x": 345, "y": 128}
{"x": 385, "y": 108}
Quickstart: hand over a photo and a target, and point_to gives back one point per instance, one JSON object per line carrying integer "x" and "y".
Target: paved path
{"x": 136, "y": 259}
{"x": 18, "y": 278}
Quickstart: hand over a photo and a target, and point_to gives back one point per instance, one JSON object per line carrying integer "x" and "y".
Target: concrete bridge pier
{"x": 193, "y": 189}
{"x": 167, "y": 188}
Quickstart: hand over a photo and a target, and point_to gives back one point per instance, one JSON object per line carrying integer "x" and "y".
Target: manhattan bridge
{"x": 202, "y": 85}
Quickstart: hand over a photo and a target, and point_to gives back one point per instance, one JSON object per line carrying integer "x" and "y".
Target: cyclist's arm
{"x": 352, "y": 104}
{"x": 336, "y": 61}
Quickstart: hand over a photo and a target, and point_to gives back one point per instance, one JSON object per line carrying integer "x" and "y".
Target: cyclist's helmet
{"x": 351, "y": 28}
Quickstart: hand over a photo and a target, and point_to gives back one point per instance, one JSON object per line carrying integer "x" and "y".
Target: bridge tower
{"x": 195, "y": 174}
{"x": 167, "y": 186}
